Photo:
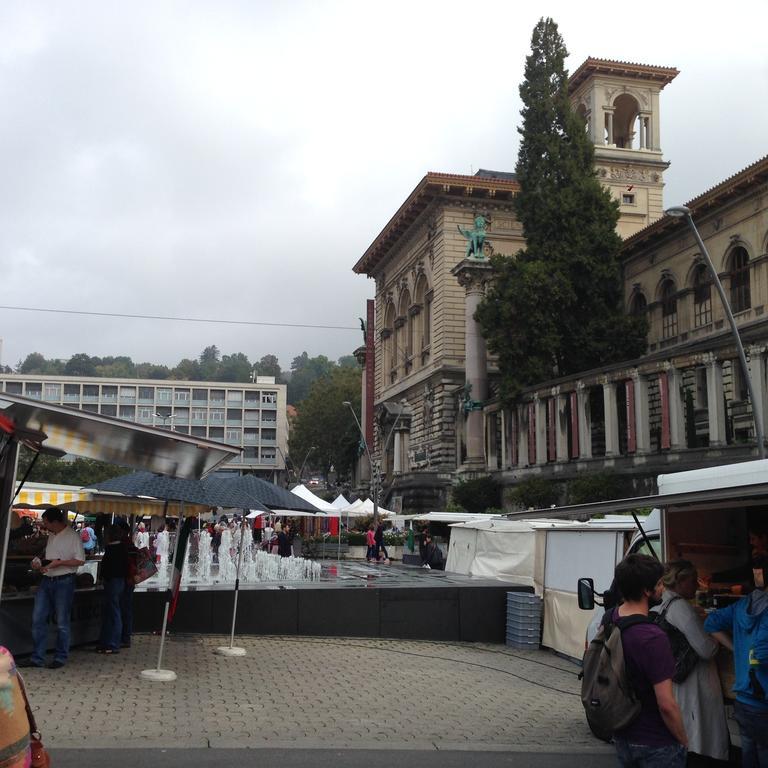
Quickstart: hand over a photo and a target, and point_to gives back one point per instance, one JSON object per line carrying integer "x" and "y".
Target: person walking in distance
{"x": 657, "y": 736}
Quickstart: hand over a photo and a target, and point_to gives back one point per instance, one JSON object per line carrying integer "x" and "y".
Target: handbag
{"x": 685, "y": 657}
{"x": 40, "y": 756}
{"x": 141, "y": 566}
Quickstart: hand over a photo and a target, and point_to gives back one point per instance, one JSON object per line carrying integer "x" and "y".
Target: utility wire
{"x": 180, "y": 319}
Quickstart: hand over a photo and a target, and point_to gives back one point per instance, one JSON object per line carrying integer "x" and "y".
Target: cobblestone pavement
{"x": 314, "y": 692}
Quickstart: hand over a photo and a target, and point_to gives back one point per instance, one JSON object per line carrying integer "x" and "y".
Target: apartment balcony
{"x": 271, "y": 462}
{"x": 145, "y": 400}
{"x": 268, "y": 443}
{"x": 251, "y": 422}
{"x": 88, "y": 398}
{"x": 181, "y": 421}
{"x": 200, "y": 421}
{"x": 234, "y": 422}
{"x": 72, "y": 398}
{"x": 196, "y": 401}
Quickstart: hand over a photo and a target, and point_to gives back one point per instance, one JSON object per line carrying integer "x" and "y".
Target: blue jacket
{"x": 747, "y": 621}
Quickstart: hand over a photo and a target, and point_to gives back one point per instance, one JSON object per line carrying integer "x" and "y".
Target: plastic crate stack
{"x": 523, "y": 620}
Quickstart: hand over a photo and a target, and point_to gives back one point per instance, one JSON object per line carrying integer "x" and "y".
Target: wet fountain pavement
{"x": 315, "y": 693}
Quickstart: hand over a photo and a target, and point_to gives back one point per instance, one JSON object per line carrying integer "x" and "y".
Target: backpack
{"x": 607, "y": 694}
{"x": 85, "y": 537}
{"x": 685, "y": 657}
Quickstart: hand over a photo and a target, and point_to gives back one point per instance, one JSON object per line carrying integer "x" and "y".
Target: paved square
{"x": 314, "y": 692}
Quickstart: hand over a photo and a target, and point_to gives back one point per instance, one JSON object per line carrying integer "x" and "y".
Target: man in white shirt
{"x": 63, "y": 556}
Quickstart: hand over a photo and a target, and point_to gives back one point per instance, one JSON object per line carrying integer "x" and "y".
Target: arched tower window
{"x": 625, "y": 116}
{"x": 702, "y": 296}
{"x": 668, "y": 294}
{"x": 741, "y": 298}
{"x": 638, "y": 305}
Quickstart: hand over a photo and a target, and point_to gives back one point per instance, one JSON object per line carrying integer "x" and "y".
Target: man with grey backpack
{"x": 628, "y": 670}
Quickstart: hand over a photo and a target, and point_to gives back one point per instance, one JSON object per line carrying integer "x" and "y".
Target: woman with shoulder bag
{"x": 699, "y": 695}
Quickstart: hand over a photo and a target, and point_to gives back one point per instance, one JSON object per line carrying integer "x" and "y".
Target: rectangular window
{"x": 128, "y": 412}
{"x": 216, "y": 433}
{"x": 146, "y": 393}
{"x": 627, "y": 199}
{"x": 217, "y": 415}
{"x": 217, "y": 396}
{"x": 108, "y": 392}
{"x": 198, "y": 431}
{"x": 235, "y": 396}
{"x": 128, "y": 394}
{"x": 199, "y": 414}
{"x": 268, "y": 398}
{"x": 181, "y": 395}
{"x": 52, "y": 391}
{"x": 108, "y": 410}
{"x": 34, "y": 390}
{"x": 164, "y": 394}
{"x": 233, "y": 436}
{"x": 145, "y": 414}
{"x": 200, "y": 395}
{"x": 13, "y": 387}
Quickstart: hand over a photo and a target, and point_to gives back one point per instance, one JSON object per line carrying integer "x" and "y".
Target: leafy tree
{"x": 80, "y": 471}
{"x": 328, "y": 425}
{"x": 152, "y": 371}
{"x": 269, "y": 366}
{"x": 347, "y": 361}
{"x": 478, "y": 495}
{"x": 34, "y": 362}
{"x": 120, "y": 367}
{"x": 557, "y": 308}
{"x": 305, "y": 371}
{"x": 535, "y": 493}
{"x": 210, "y": 358}
{"x": 597, "y": 486}
{"x": 235, "y": 367}
{"x": 80, "y": 365}
{"x": 188, "y": 370}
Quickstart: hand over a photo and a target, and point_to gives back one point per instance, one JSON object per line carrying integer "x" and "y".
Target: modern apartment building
{"x": 250, "y": 416}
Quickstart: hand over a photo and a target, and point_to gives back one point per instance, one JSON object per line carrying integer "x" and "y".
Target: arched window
{"x": 702, "y": 296}
{"x": 403, "y": 328}
{"x": 638, "y": 305}
{"x": 668, "y": 309}
{"x": 625, "y": 115}
{"x": 389, "y": 344}
{"x": 741, "y": 298}
{"x": 417, "y": 320}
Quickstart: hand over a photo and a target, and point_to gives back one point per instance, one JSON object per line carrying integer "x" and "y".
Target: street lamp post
{"x": 165, "y": 419}
{"x": 682, "y": 212}
{"x": 303, "y": 463}
{"x": 374, "y": 465}
{"x": 374, "y": 469}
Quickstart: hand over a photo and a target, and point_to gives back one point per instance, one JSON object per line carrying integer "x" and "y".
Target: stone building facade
{"x": 679, "y": 406}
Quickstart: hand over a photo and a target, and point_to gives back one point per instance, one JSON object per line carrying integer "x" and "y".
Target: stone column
{"x": 642, "y": 415}
{"x": 715, "y": 402}
{"x": 585, "y": 422}
{"x": 473, "y": 275}
{"x": 675, "y": 408}
{"x": 541, "y": 429}
{"x": 610, "y": 128}
{"x": 758, "y": 376}
{"x": 522, "y": 435}
{"x": 503, "y": 436}
{"x": 611, "y": 419}
{"x": 561, "y": 425}
{"x": 397, "y": 463}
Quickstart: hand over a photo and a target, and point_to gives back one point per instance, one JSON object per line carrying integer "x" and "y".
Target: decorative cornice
{"x": 593, "y": 66}
{"x": 431, "y": 187}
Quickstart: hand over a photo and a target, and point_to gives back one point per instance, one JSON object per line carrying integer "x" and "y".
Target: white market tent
{"x": 361, "y": 508}
{"x": 548, "y": 555}
{"x": 340, "y": 502}
{"x": 304, "y": 493}
{"x": 452, "y": 517}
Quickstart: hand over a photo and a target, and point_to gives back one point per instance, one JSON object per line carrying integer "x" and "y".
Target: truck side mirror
{"x": 585, "y": 590}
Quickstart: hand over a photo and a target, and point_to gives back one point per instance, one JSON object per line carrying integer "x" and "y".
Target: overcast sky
{"x": 233, "y": 160}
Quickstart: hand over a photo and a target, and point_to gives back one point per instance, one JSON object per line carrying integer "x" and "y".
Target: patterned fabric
{"x": 14, "y": 725}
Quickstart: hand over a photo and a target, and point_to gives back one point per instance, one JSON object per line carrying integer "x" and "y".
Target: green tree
{"x": 326, "y": 424}
{"x": 187, "y": 370}
{"x": 120, "y": 367}
{"x": 34, "y": 362}
{"x": 269, "y": 366}
{"x": 210, "y": 358}
{"x": 478, "y": 495}
{"x": 557, "y": 308}
{"x": 347, "y": 361}
{"x": 80, "y": 472}
{"x": 306, "y": 370}
{"x": 81, "y": 365}
{"x": 236, "y": 367}
{"x": 152, "y": 371}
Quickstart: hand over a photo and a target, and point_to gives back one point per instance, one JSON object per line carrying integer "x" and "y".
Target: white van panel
{"x": 711, "y": 478}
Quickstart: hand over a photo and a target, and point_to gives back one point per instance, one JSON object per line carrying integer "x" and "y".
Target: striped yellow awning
{"x": 126, "y": 506}
{"x": 33, "y": 497}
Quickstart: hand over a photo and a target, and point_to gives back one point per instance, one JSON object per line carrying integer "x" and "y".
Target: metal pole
{"x": 374, "y": 483}
{"x": 757, "y": 411}
{"x": 10, "y": 460}
{"x": 237, "y": 581}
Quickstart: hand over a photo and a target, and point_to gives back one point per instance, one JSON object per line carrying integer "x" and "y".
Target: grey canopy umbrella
{"x": 269, "y": 495}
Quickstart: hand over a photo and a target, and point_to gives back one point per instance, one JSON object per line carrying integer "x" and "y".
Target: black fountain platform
{"x": 352, "y": 599}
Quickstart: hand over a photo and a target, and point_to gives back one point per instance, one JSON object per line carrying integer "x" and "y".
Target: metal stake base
{"x": 158, "y": 675}
{"x": 225, "y": 650}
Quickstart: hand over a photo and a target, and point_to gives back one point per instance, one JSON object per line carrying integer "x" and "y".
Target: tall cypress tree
{"x": 556, "y": 309}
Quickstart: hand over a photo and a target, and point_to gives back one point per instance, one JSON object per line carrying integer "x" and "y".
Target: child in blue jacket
{"x": 747, "y": 622}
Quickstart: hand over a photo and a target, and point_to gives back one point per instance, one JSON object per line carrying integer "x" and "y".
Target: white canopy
{"x": 358, "y": 508}
{"x": 304, "y": 493}
{"x": 452, "y": 517}
{"x": 340, "y": 502}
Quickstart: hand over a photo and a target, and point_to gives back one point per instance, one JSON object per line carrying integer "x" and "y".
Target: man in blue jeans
{"x": 743, "y": 627}
{"x": 63, "y": 556}
{"x": 656, "y": 738}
